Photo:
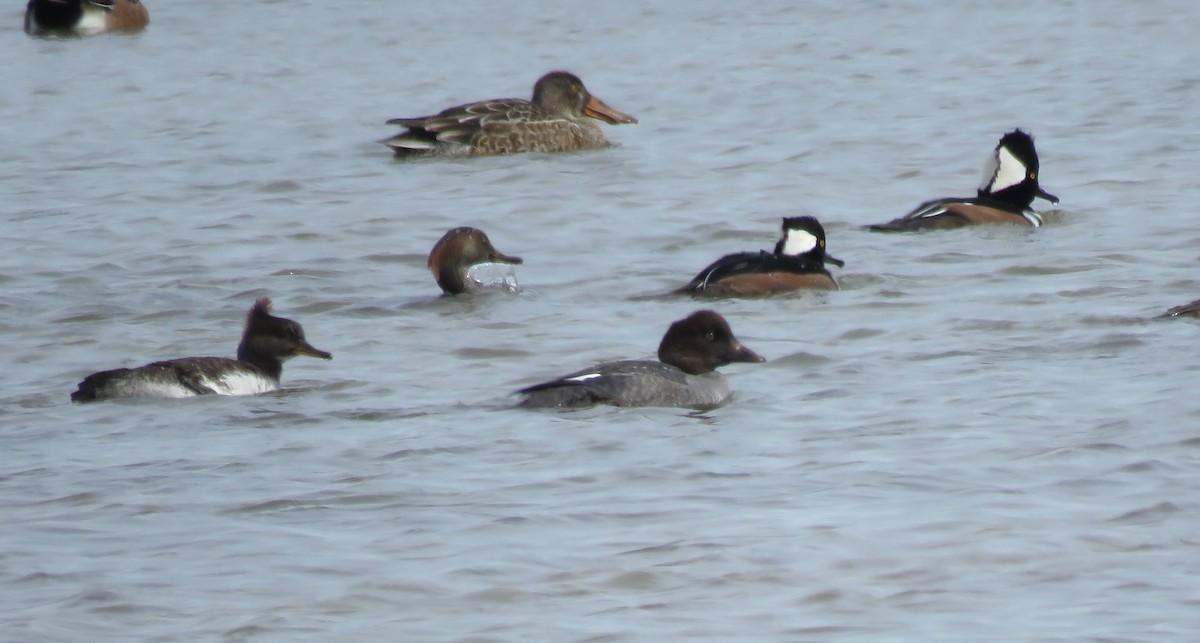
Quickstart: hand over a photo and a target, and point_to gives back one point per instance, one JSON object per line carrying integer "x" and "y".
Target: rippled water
{"x": 983, "y": 436}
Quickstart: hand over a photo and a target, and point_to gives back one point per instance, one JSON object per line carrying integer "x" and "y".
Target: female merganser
{"x": 456, "y": 252}
{"x": 266, "y": 343}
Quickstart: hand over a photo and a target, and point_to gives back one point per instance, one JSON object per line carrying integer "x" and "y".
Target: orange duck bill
{"x": 597, "y": 109}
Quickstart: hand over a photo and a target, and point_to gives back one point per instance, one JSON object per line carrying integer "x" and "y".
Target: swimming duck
{"x": 797, "y": 262}
{"x": 1186, "y": 310}
{"x": 456, "y": 252}
{"x": 1010, "y": 183}
{"x": 558, "y": 119}
{"x": 266, "y": 343}
{"x": 685, "y": 375}
{"x": 85, "y": 17}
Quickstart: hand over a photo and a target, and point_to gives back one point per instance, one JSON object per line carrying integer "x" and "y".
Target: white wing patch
{"x": 582, "y": 378}
{"x": 1003, "y": 171}
{"x": 931, "y": 211}
{"x": 798, "y": 242}
{"x": 240, "y": 384}
{"x": 156, "y": 388}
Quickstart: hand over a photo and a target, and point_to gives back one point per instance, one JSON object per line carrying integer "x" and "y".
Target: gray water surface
{"x": 983, "y": 436}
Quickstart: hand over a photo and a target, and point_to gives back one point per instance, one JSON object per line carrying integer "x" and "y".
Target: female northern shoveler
{"x": 558, "y": 119}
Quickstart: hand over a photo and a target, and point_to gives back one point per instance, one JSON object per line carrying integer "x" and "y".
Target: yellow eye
{"x": 1033, "y": 176}
{"x": 821, "y": 243}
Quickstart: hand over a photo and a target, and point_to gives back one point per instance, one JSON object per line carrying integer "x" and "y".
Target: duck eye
{"x": 1033, "y": 176}
{"x": 710, "y": 336}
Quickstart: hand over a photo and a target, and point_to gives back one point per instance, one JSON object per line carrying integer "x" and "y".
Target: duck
{"x": 457, "y": 252}
{"x": 797, "y": 262}
{"x": 684, "y": 376}
{"x": 267, "y": 342}
{"x": 1006, "y": 194}
{"x": 85, "y": 17}
{"x": 1186, "y": 310}
{"x": 561, "y": 117}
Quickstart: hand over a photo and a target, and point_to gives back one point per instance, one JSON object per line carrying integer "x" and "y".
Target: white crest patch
{"x": 797, "y": 242}
{"x": 582, "y": 378}
{"x": 1003, "y": 171}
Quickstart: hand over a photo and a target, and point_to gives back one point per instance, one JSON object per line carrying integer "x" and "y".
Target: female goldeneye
{"x": 456, "y": 252}
{"x": 266, "y": 343}
{"x": 558, "y": 119}
{"x": 685, "y": 376}
{"x": 84, "y": 17}
{"x": 1186, "y": 310}
{"x": 1010, "y": 183}
{"x": 798, "y": 261}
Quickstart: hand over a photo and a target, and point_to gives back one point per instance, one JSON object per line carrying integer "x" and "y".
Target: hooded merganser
{"x": 456, "y": 252}
{"x": 685, "y": 375}
{"x": 1010, "y": 183}
{"x": 558, "y": 119}
{"x": 84, "y": 17}
{"x": 797, "y": 262}
{"x": 266, "y": 343}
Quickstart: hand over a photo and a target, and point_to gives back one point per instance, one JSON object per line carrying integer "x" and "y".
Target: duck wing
{"x": 955, "y": 213}
{"x": 744, "y": 263}
{"x": 623, "y": 383}
{"x": 461, "y": 124}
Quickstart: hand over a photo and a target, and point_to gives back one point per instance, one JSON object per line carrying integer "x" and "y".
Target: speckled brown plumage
{"x": 561, "y": 117}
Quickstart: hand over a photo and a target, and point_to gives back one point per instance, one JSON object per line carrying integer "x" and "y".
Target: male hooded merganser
{"x": 266, "y": 343}
{"x": 558, "y": 119}
{"x": 1010, "y": 183}
{"x": 1186, "y": 310}
{"x": 456, "y": 252}
{"x": 798, "y": 261}
{"x": 685, "y": 375}
{"x": 84, "y": 17}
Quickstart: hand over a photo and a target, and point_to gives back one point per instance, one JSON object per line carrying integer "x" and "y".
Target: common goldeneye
{"x": 684, "y": 376}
